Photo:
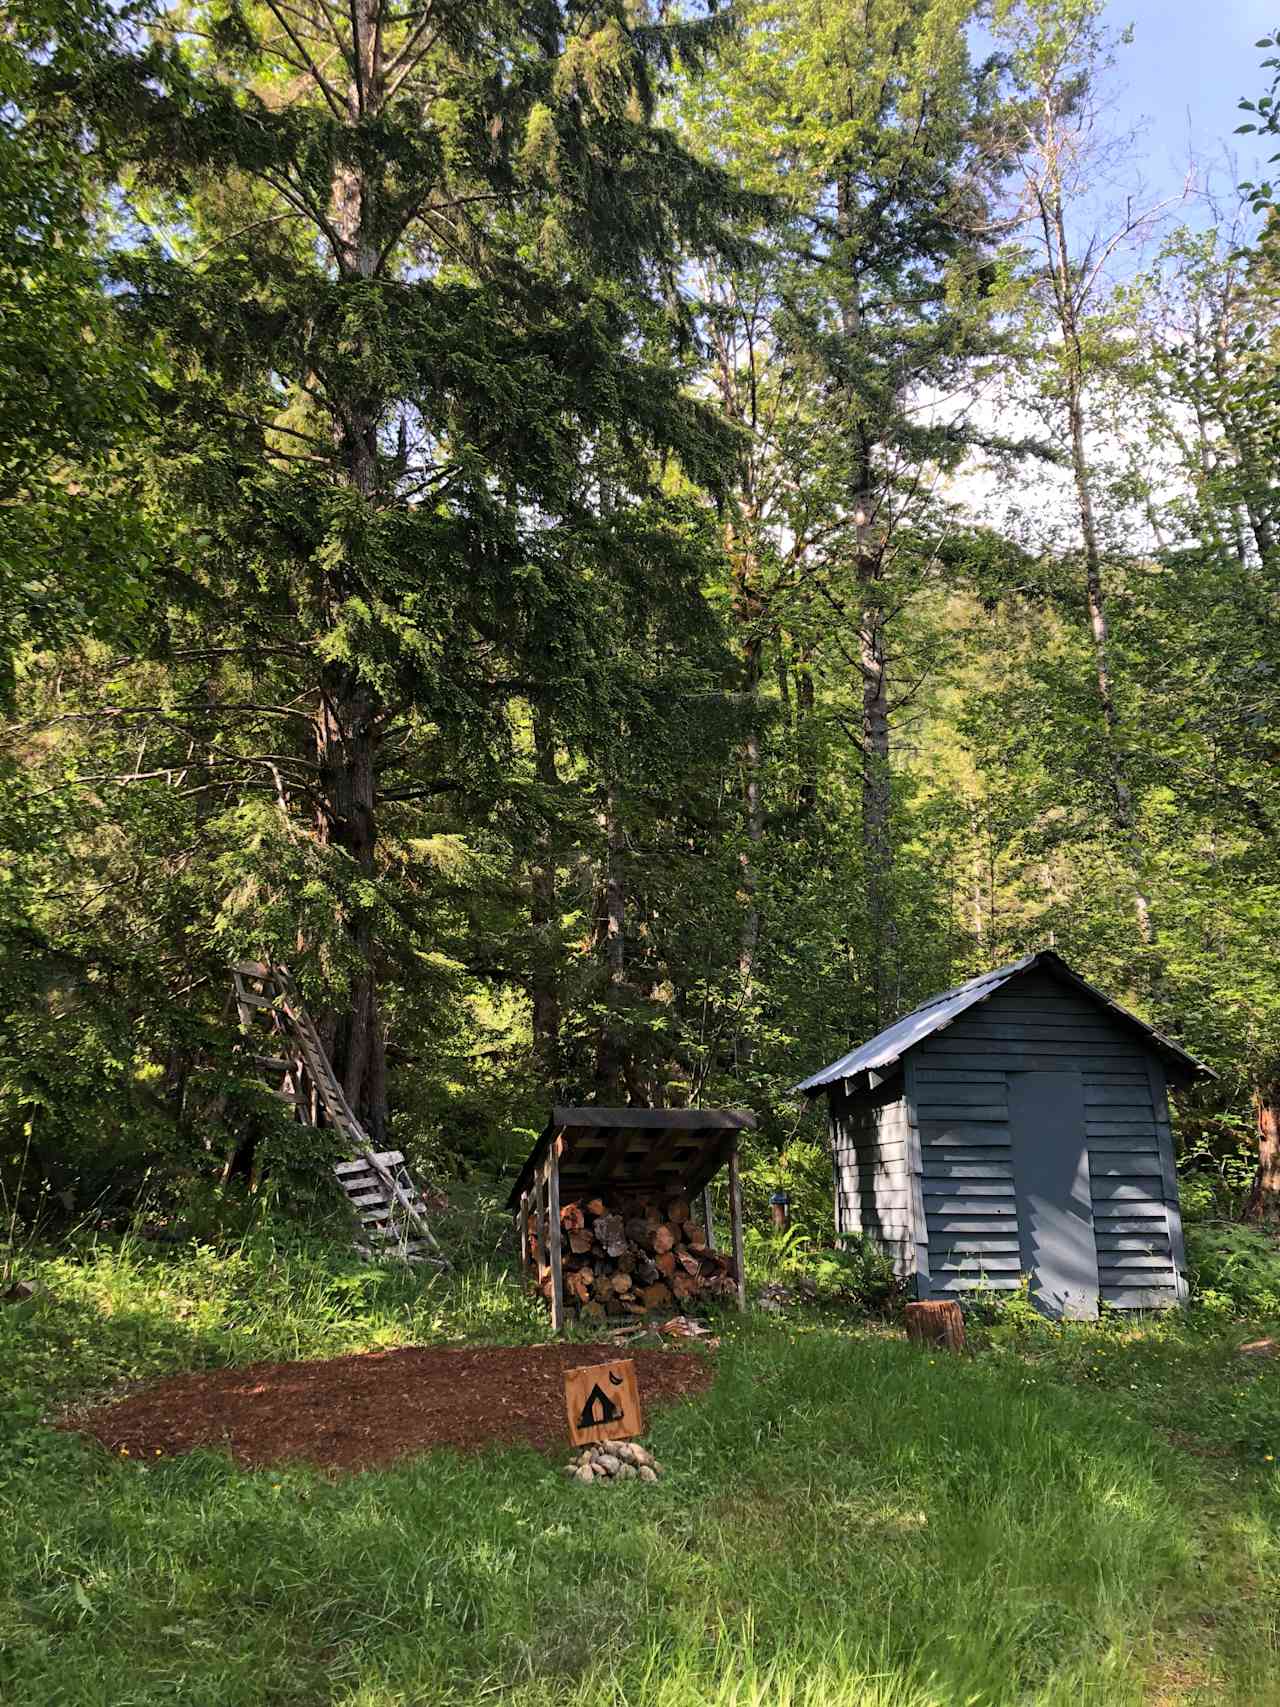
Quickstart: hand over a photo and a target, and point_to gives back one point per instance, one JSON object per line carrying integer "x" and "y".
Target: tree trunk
{"x": 1264, "y": 1199}
{"x": 806, "y": 734}
{"x": 741, "y": 541}
{"x": 611, "y": 935}
{"x": 346, "y": 740}
{"x": 1242, "y": 449}
{"x": 748, "y": 613}
{"x": 877, "y": 808}
{"x": 978, "y": 880}
{"x": 749, "y": 940}
{"x": 543, "y": 910}
{"x": 877, "y": 800}
{"x": 349, "y": 716}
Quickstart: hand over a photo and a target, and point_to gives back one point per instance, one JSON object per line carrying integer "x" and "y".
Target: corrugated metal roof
{"x": 892, "y": 1044}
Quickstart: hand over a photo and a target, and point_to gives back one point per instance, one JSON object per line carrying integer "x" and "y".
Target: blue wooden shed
{"x": 1018, "y": 1124}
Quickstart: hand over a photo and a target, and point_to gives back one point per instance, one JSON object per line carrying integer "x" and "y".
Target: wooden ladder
{"x": 390, "y": 1214}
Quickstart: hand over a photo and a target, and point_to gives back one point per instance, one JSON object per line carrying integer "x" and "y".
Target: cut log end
{"x": 628, "y": 1255}
{"x": 938, "y": 1322}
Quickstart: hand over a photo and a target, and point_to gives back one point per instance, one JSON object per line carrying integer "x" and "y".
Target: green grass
{"x": 846, "y": 1521}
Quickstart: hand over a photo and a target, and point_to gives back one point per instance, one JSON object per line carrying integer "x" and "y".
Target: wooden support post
{"x": 833, "y": 1138}
{"x": 735, "y": 1215}
{"x": 539, "y": 1228}
{"x": 937, "y": 1321}
{"x": 522, "y": 1234}
{"x": 707, "y": 1224}
{"x": 553, "y": 1239}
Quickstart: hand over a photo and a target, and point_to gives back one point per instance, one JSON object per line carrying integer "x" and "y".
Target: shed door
{"x": 1051, "y": 1179}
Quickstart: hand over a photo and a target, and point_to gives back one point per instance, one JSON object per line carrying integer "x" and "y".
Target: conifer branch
{"x": 405, "y": 61}
{"x": 309, "y": 65}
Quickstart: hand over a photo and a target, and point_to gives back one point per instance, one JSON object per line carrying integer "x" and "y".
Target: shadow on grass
{"x": 113, "y": 1316}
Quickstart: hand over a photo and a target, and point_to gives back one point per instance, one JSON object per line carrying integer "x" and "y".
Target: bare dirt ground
{"x": 352, "y": 1413}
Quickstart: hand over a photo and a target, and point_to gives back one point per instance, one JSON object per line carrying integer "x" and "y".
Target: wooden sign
{"x": 603, "y": 1402}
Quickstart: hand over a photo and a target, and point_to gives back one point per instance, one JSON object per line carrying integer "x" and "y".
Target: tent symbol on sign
{"x": 598, "y": 1409}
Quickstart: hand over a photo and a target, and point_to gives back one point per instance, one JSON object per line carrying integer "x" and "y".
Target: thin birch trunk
{"x": 878, "y": 851}
{"x": 1057, "y": 248}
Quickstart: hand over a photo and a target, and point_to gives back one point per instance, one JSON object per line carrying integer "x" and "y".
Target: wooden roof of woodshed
{"x": 634, "y": 1149}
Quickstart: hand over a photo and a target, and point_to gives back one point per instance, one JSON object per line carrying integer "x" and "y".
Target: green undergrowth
{"x": 1235, "y": 1266}
{"x": 846, "y": 1520}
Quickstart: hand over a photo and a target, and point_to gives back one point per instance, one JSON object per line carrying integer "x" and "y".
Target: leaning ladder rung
{"x": 417, "y": 1252}
{"x": 361, "y": 1182}
{"x": 379, "y": 1207}
{"x": 379, "y": 1187}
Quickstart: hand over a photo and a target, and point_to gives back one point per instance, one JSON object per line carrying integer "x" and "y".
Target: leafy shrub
{"x": 1198, "y": 1196}
{"x": 1234, "y": 1269}
{"x": 858, "y": 1274}
{"x": 1214, "y": 1187}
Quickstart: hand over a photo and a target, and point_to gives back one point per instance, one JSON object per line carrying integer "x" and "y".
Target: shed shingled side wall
{"x": 870, "y": 1135}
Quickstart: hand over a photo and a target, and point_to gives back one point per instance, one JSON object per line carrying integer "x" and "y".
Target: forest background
{"x": 626, "y": 547}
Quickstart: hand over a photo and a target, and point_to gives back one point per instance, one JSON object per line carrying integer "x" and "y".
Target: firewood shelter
{"x": 615, "y": 1153}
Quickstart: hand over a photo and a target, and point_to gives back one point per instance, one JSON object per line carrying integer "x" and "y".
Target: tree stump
{"x": 938, "y": 1322}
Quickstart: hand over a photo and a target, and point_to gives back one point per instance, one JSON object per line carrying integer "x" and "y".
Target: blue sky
{"x": 1189, "y": 57}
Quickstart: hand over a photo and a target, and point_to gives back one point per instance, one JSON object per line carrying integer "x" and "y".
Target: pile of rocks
{"x": 775, "y": 1297}
{"x": 613, "y": 1461}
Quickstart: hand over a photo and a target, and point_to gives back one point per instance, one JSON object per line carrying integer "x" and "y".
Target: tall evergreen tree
{"x": 846, "y": 362}
{"x": 406, "y": 266}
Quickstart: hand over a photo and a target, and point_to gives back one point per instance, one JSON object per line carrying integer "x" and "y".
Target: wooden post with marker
{"x": 540, "y": 1255}
{"x": 524, "y": 1246}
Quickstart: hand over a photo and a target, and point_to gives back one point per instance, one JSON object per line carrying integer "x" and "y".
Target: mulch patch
{"x": 351, "y": 1413}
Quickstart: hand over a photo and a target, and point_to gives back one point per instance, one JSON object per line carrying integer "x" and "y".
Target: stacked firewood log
{"x": 633, "y": 1254}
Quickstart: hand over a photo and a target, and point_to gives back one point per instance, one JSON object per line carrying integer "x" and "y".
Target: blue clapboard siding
{"x": 957, "y": 1080}
{"x": 1136, "y": 1270}
{"x": 964, "y": 1174}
